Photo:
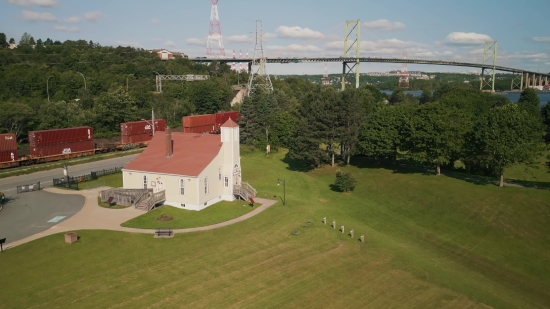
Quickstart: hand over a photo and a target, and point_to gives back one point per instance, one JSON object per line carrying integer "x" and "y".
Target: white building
{"x": 194, "y": 170}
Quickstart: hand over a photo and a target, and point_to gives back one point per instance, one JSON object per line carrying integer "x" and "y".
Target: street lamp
{"x": 152, "y": 119}
{"x": 83, "y": 78}
{"x": 48, "y": 88}
{"x": 127, "y": 81}
{"x": 284, "y": 189}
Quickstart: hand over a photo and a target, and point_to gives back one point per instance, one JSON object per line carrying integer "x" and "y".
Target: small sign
{"x": 57, "y": 219}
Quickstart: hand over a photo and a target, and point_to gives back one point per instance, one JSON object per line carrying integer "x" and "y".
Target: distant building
{"x": 12, "y": 46}
{"x": 164, "y": 54}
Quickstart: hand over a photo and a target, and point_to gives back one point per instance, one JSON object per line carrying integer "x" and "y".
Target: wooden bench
{"x": 164, "y": 232}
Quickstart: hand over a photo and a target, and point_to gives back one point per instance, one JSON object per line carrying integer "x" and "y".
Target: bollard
{"x": 342, "y": 227}
{"x": 325, "y": 220}
{"x": 351, "y": 233}
{"x": 334, "y": 224}
{"x": 362, "y": 238}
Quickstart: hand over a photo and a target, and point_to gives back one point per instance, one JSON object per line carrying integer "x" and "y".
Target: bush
{"x": 344, "y": 182}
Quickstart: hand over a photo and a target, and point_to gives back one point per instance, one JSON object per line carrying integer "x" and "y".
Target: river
{"x": 512, "y": 96}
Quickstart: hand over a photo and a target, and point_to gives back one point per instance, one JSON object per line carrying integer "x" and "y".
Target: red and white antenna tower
{"x": 404, "y": 74}
{"x": 240, "y": 57}
{"x": 325, "y": 81}
{"x": 214, "y": 44}
{"x": 246, "y": 69}
{"x": 234, "y": 63}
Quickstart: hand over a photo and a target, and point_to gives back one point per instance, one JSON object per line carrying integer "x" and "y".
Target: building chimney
{"x": 169, "y": 143}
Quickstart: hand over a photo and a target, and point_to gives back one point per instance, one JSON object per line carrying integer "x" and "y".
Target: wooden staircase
{"x": 148, "y": 200}
{"x": 244, "y": 191}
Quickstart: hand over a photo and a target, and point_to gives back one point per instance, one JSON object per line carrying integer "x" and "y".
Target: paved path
{"x": 94, "y": 217}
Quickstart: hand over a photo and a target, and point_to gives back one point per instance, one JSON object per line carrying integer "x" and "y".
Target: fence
{"x": 29, "y": 188}
{"x": 72, "y": 182}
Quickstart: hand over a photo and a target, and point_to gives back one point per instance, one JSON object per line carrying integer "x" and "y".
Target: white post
{"x": 334, "y": 224}
{"x": 342, "y": 229}
{"x": 351, "y": 233}
{"x": 325, "y": 220}
{"x": 153, "y": 120}
{"x": 362, "y": 238}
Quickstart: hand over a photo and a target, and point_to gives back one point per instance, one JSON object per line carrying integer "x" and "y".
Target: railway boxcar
{"x": 199, "y": 123}
{"x": 8, "y": 147}
{"x": 60, "y": 136}
{"x": 85, "y": 147}
{"x": 141, "y": 127}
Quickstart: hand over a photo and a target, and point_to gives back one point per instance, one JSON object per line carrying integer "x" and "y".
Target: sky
{"x": 425, "y": 29}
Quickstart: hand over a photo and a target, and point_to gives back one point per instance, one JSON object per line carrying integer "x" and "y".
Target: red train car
{"x": 8, "y": 147}
{"x": 141, "y": 127}
{"x": 221, "y": 118}
{"x": 208, "y": 123}
{"x": 60, "y": 136}
{"x": 86, "y": 147}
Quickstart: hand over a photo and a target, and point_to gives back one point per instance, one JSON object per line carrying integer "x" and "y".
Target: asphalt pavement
{"x": 9, "y": 185}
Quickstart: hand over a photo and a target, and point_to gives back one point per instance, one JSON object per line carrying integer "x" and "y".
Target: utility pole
{"x": 83, "y": 78}
{"x": 48, "y": 88}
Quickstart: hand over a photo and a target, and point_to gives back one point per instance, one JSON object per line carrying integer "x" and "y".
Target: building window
{"x": 144, "y": 181}
{"x": 182, "y": 186}
{"x": 206, "y": 185}
{"x": 220, "y": 173}
{"x": 226, "y": 182}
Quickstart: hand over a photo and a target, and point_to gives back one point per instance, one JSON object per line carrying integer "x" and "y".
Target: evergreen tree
{"x": 3, "y": 40}
{"x": 529, "y": 101}
{"x": 26, "y": 39}
{"x": 12, "y": 41}
{"x": 425, "y": 97}
{"x": 353, "y": 109}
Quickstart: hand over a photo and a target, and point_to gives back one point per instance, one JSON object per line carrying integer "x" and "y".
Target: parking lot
{"x": 29, "y": 213}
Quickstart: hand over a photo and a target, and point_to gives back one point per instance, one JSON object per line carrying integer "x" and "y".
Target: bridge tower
{"x": 350, "y": 67}
{"x": 489, "y": 54}
{"x": 214, "y": 43}
{"x": 404, "y": 74}
{"x": 259, "y": 77}
{"x": 325, "y": 80}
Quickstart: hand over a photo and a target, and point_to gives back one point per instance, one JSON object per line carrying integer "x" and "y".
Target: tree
{"x": 425, "y": 97}
{"x": 509, "y": 135}
{"x": 344, "y": 182}
{"x": 3, "y": 40}
{"x": 12, "y": 41}
{"x": 545, "y": 115}
{"x": 380, "y": 137}
{"x": 61, "y": 114}
{"x": 113, "y": 108}
{"x": 353, "y": 112}
{"x": 310, "y": 132}
{"x": 16, "y": 117}
{"x": 259, "y": 114}
{"x": 529, "y": 101}
{"x": 26, "y": 39}
{"x": 397, "y": 97}
{"x": 435, "y": 134}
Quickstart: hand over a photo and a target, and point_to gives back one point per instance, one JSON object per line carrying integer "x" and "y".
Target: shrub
{"x": 344, "y": 182}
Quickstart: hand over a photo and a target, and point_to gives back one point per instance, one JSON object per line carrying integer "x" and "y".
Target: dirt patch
{"x": 165, "y": 218}
{"x": 322, "y": 200}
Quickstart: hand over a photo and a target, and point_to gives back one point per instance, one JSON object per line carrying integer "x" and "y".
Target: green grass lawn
{"x": 113, "y": 180}
{"x": 430, "y": 242}
{"x": 220, "y": 212}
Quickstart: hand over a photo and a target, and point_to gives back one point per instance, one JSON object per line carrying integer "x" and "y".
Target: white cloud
{"x": 43, "y": 3}
{"x": 532, "y": 56}
{"x": 293, "y": 47}
{"x": 384, "y": 24}
{"x": 73, "y": 19}
{"x": 196, "y": 42}
{"x": 66, "y": 29}
{"x": 34, "y": 16}
{"x": 243, "y": 38}
{"x": 467, "y": 38}
{"x": 544, "y": 39}
{"x": 155, "y": 21}
{"x": 298, "y": 33}
{"x": 129, "y": 43}
{"x": 169, "y": 43}
{"x": 94, "y": 16}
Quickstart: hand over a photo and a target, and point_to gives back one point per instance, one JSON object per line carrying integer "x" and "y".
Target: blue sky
{"x": 427, "y": 29}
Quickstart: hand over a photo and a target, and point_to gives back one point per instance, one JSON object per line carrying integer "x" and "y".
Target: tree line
{"x": 485, "y": 132}
{"x": 47, "y": 84}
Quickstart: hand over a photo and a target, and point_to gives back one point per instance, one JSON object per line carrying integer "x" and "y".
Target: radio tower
{"x": 404, "y": 74}
{"x": 259, "y": 77}
{"x": 240, "y": 63}
{"x": 325, "y": 81}
{"x": 214, "y": 44}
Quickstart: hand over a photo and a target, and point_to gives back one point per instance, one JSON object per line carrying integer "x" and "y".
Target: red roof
{"x": 192, "y": 154}
{"x": 230, "y": 124}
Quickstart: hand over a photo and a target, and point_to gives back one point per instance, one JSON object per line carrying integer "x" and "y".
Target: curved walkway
{"x": 94, "y": 217}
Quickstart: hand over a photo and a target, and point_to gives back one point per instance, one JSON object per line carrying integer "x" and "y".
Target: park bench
{"x": 163, "y": 232}
{"x": 111, "y": 201}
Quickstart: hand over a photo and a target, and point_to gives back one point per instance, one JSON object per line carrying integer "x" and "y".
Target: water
{"x": 512, "y": 96}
